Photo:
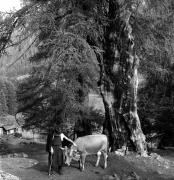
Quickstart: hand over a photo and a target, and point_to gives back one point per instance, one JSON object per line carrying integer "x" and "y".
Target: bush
{"x": 18, "y": 135}
{"x": 90, "y": 121}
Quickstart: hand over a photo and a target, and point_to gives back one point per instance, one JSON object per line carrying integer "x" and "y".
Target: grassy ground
{"x": 35, "y": 166}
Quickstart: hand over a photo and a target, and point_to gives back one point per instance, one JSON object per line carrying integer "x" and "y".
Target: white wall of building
{"x": 1, "y": 131}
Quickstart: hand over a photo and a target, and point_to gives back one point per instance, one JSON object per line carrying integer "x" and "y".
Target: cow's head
{"x": 69, "y": 154}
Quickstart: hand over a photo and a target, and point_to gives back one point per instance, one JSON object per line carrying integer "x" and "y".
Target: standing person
{"x": 56, "y": 148}
{"x": 49, "y": 149}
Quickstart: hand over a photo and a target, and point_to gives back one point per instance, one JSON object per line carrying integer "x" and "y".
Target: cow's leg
{"x": 98, "y": 158}
{"x": 105, "y": 159}
{"x": 83, "y": 157}
{"x": 80, "y": 162}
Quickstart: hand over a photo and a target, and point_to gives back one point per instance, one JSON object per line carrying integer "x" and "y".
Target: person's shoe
{"x": 51, "y": 173}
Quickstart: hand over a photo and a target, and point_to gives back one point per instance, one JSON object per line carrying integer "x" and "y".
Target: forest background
{"x": 68, "y": 48}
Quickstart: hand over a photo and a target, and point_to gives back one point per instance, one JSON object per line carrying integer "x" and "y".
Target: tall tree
{"x": 125, "y": 34}
{"x": 3, "y": 103}
{"x": 64, "y": 63}
{"x": 11, "y": 97}
{"x": 120, "y": 81}
{"x": 59, "y": 27}
{"x": 67, "y": 33}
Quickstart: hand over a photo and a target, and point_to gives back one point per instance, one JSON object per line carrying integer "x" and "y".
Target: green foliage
{"x": 8, "y": 96}
{"x": 44, "y": 108}
{"x": 11, "y": 98}
{"x": 89, "y": 121}
{"x": 153, "y": 32}
{"x": 69, "y": 35}
{"x": 3, "y": 85}
{"x": 64, "y": 64}
{"x": 156, "y": 110}
{"x": 3, "y": 104}
{"x": 153, "y": 29}
{"x": 165, "y": 125}
{"x": 3, "y": 96}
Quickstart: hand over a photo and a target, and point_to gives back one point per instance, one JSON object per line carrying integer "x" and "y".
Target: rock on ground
{"x": 7, "y": 176}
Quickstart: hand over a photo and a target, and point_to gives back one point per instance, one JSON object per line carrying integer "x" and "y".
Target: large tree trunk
{"x": 120, "y": 69}
{"x": 131, "y": 77}
{"x": 131, "y": 118}
{"x": 110, "y": 128}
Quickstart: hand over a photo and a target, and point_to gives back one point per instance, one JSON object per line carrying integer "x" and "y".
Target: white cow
{"x": 86, "y": 145}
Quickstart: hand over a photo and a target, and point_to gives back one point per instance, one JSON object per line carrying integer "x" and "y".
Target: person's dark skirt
{"x": 57, "y": 158}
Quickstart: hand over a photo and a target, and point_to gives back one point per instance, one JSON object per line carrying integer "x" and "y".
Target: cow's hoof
{"x": 81, "y": 169}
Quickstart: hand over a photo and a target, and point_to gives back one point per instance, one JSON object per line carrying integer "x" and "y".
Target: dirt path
{"x": 35, "y": 166}
{"x": 39, "y": 171}
{"x": 26, "y": 169}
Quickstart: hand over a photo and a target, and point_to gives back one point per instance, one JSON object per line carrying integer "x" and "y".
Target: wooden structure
{"x": 8, "y": 125}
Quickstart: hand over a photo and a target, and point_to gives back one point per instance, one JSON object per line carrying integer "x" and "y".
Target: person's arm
{"x": 63, "y": 136}
{"x": 51, "y": 150}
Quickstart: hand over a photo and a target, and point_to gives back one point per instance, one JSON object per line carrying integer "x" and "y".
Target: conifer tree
{"x": 3, "y": 106}
{"x": 3, "y": 86}
{"x": 70, "y": 37}
{"x": 11, "y": 97}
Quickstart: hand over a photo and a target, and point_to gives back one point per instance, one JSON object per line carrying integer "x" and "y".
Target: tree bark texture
{"x": 120, "y": 81}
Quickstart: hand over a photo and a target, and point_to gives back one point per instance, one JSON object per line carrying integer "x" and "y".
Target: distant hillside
{"x": 15, "y": 62}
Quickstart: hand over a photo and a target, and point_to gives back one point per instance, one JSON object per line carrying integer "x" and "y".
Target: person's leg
{"x": 54, "y": 159}
{"x": 50, "y": 163}
{"x": 60, "y": 161}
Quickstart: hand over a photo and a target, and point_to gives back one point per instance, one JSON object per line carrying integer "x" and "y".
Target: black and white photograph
{"x": 86, "y": 89}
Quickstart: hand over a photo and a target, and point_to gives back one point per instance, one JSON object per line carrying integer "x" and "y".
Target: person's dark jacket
{"x": 49, "y": 141}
